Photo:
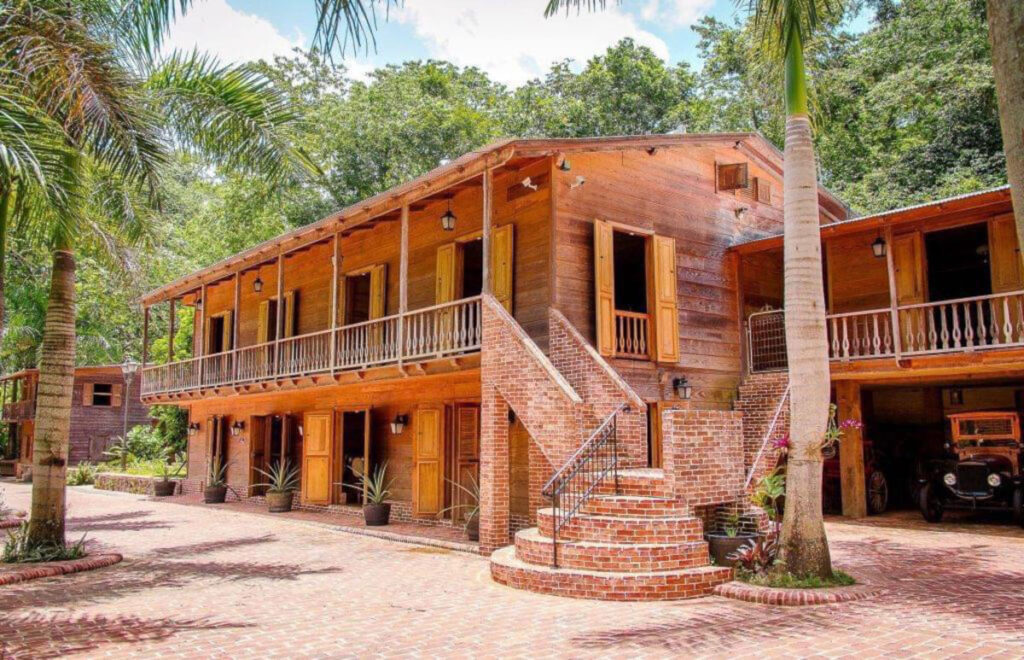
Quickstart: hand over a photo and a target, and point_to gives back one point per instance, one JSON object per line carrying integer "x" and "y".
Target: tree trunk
{"x": 6, "y": 206}
{"x": 1006, "y": 32}
{"x": 804, "y": 548}
{"x": 53, "y": 405}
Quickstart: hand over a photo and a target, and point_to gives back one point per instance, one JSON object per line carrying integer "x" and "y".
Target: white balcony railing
{"x": 447, "y": 329}
{"x": 948, "y": 326}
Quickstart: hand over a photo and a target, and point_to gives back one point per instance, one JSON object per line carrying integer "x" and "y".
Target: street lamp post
{"x": 128, "y": 369}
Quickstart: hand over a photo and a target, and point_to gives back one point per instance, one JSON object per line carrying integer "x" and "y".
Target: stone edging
{"x": 795, "y": 597}
{"x": 52, "y": 569}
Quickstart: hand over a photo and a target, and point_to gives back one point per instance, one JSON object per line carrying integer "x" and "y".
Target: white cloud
{"x": 512, "y": 41}
{"x": 230, "y": 35}
{"x": 676, "y": 13}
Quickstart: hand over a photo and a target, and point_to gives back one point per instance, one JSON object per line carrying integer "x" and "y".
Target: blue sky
{"x": 509, "y": 39}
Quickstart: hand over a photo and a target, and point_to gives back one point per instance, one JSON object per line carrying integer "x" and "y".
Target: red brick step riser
{"x": 623, "y": 530}
{"x": 610, "y": 505}
{"x": 615, "y": 558}
{"x": 642, "y": 486}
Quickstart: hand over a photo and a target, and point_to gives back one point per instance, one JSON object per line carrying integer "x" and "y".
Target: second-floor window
{"x": 102, "y": 395}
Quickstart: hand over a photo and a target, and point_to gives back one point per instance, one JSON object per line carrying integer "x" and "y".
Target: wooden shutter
{"x": 1005, "y": 255}
{"x": 732, "y": 176}
{"x": 263, "y": 331}
{"x": 908, "y": 263}
{"x": 116, "y": 395}
{"x": 378, "y": 291}
{"x": 666, "y": 314}
{"x": 227, "y": 340}
{"x": 467, "y": 456}
{"x": 291, "y": 309}
{"x": 764, "y": 189}
{"x": 502, "y": 260}
{"x": 87, "y": 394}
{"x": 444, "y": 283}
{"x": 428, "y": 463}
{"x": 317, "y": 445}
{"x": 604, "y": 287}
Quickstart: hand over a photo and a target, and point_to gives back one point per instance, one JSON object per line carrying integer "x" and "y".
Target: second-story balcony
{"x": 436, "y": 332}
{"x": 19, "y": 411}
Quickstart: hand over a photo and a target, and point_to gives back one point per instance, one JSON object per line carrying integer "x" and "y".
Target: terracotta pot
{"x": 215, "y": 494}
{"x": 279, "y": 502}
{"x": 473, "y": 528}
{"x": 721, "y": 545}
{"x": 376, "y": 515}
{"x": 163, "y": 488}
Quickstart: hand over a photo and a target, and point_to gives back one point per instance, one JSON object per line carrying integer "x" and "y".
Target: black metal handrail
{"x": 573, "y": 484}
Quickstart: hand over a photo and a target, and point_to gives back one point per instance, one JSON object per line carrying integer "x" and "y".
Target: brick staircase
{"x": 637, "y": 544}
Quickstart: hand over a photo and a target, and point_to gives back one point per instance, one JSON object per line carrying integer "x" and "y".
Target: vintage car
{"x": 985, "y": 473}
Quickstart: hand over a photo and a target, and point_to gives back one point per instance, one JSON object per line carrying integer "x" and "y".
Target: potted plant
{"x": 282, "y": 482}
{"x": 216, "y": 489}
{"x": 164, "y": 487}
{"x": 728, "y": 540}
{"x": 472, "y": 525}
{"x": 376, "y": 510}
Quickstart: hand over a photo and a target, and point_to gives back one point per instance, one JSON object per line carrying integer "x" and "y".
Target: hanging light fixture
{"x": 878, "y": 247}
{"x": 237, "y": 428}
{"x": 257, "y": 284}
{"x": 398, "y": 424}
{"x": 448, "y": 219}
{"x": 682, "y": 387}
{"x": 193, "y": 428}
{"x": 565, "y": 165}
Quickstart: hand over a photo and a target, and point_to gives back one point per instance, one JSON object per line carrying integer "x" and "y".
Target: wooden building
{"x": 97, "y": 414}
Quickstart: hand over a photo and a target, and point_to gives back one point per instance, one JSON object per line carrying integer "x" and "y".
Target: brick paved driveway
{"x": 216, "y": 583}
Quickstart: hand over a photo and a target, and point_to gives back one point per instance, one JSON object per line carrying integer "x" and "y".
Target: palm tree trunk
{"x": 804, "y": 548}
{"x": 53, "y": 404}
{"x": 1006, "y": 31}
{"x": 6, "y": 205}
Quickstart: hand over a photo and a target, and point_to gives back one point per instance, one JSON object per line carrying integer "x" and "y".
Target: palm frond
{"x": 555, "y": 6}
{"x": 232, "y": 114}
{"x": 779, "y": 21}
{"x": 341, "y": 24}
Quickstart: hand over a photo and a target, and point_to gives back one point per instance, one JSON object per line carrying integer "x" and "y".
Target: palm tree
{"x": 1006, "y": 32}
{"x": 111, "y": 109}
{"x": 786, "y": 26}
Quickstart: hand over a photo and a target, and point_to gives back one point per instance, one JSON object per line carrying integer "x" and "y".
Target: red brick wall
{"x": 703, "y": 455}
{"x": 759, "y": 399}
{"x": 600, "y": 386}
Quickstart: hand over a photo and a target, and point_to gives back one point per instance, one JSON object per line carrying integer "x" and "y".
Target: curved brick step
{"x": 533, "y": 548}
{"x": 633, "y": 505}
{"x": 507, "y": 569}
{"x": 647, "y": 482}
{"x": 623, "y": 529}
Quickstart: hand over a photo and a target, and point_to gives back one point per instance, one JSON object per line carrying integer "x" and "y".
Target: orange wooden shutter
{"x": 378, "y": 291}
{"x": 908, "y": 262}
{"x": 86, "y": 394}
{"x": 764, "y": 189}
{"x": 291, "y": 309}
{"x": 666, "y": 315}
{"x": 444, "y": 283}
{"x": 732, "y": 176}
{"x": 1005, "y": 255}
{"x": 116, "y": 395}
{"x": 228, "y": 332}
{"x": 428, "y": 463}
{"x": 317, "y": 444}
{"x": 604, "y": 287}
{"x": 262, "y": 332}
{"x": 502, "y": 260}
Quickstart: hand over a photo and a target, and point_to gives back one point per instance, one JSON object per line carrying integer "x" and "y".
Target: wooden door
{"x": 317, "y": 446}
{"x": 1005, "y": 255}
{"x": 467, "y": 458}
{"x": 604, "y": 287}
{"x": 502, "y": 260}
{"x": 444, "y": 279}
{"x": 428, "y": 462}
{"x": 908, "y": 264}
{"x": 665, "y": 315}
{"x": 259, "y": 452}
{"x": 655, "y": 434}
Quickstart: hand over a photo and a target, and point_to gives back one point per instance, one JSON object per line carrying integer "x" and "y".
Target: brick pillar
{"x": 494, "y": 470}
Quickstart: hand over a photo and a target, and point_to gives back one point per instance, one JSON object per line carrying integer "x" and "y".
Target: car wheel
{"x": 930, "y": 504}
{"x": 878, "y": 493}
{"x": 1018, "y": 505}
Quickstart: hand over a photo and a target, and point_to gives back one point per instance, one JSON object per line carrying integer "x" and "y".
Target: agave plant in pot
{"x": 282, "y": 482}
{"x": 377, "y": 489}
{"x": 472, "y": 524}
{"x": 216, "y": 489}
{"x": 167, "y": 470}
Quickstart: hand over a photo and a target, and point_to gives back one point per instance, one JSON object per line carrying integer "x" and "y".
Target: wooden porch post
{"x": 893, "y": 299}
{"x": 279, "y": 312}
{"x": 201, "y": 308}
{"x": 486, "y": 248}
{"x": 403, "y": 282}
{"x": 235, "y": 322}
{"x": 170, "y": 333}
{"x": 335, "y": 271}
{"x": 851, "y": 451}
{"x": 145, "y": 335}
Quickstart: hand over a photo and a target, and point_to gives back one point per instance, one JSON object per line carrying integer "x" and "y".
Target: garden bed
{"x": 14, "y": 573}
{"x": 753, "y": 593}
{"x": 125, "y": 483}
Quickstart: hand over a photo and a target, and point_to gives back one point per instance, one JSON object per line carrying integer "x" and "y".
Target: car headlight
{"x": 949, "y": 479}
{"x": 994, "y": 480}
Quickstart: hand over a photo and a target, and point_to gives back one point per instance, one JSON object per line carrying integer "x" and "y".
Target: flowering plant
{"x": 835, "y": 430}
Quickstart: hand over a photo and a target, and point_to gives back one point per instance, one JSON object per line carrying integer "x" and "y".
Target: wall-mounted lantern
{"x": 193, "y": 428}
{"x": 237, "y": 428}
{"x": 257, "y": 284}
{"x": 878, "y": 247}
{"x": 682, "y": 387}
{"x": 448, "y": 219}
{"x": 398, "y": 424}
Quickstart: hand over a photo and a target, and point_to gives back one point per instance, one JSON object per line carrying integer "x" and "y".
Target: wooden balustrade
{"x": 631, "y": 333}
{"x": 19, "y": 410}
{"x": 947, "y": 326}
{"x": 446, "y": 329}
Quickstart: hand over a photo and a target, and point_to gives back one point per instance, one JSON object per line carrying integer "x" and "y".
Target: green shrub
{"x": 782, "y": 580}
{"x": 82, "y": 474}
{"x": 18, "y": 550}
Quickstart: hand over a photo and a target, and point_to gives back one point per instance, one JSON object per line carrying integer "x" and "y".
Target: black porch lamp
{"x": 878, "y": 247}
{"x": 237, "y": 428}
{"x": 398, "y": 424}
{"x": 682, "y": 387}
{"x": 257, "y": 284}
{"x": 448, "y": 219}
